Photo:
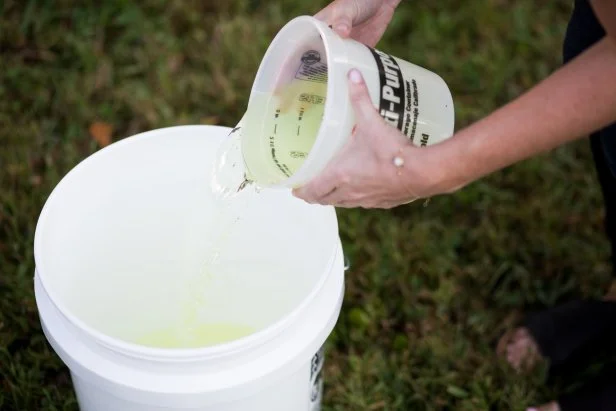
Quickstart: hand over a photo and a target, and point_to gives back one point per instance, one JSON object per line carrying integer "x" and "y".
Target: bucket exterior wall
{"x": 279, "y": 372}
{"x": 286, "y": 375}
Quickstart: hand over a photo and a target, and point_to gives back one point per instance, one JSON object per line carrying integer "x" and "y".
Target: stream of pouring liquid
{"x": 193, "y": 327}
{"x": 229, "y": 174}
{"x": 294, "y": 123}
{"x": 272, "y": 140}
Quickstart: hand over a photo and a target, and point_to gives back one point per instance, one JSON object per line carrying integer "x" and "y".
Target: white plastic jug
{"x": 120, "y": 247}
{"x": 299, "y": 114}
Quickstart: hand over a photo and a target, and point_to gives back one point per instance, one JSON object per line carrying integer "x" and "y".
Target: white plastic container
{"x": 410, "y": 98}
{"x": 118, "y": 248}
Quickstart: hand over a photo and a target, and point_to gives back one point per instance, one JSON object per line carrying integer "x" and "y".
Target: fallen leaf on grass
{"x": 101, "y": 133}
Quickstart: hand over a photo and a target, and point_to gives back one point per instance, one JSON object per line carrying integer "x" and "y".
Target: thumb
{"x": 360, "y": 99}
{"x": 339, "y": 16}
{"x": 343, "y": 15}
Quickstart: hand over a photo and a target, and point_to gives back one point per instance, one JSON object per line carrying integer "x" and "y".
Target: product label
{"x": 312, "y": 68}
{"x": 316, "y": 380}
{"x": 398, "y": 97}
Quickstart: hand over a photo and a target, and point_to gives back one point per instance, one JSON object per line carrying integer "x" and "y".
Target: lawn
{"x": 431, "y": 287}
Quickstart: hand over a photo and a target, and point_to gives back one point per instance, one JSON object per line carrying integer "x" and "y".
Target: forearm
{"x": 574, "y": 101}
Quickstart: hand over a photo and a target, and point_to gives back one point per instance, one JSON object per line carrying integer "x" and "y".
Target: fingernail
{"x": 531, "y": 409}
{"x": 342, "y": 28}
{"x": 355, "y": 76}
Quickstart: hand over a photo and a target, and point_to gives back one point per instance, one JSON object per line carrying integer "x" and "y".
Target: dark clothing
{"x": 583, "y": 31}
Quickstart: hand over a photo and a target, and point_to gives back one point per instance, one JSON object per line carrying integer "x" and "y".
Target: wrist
{"x": 456, "y": 162}
{"x": 434, "y": 170}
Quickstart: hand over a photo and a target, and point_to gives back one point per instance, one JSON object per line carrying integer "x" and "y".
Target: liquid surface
{"x": 229, "y": 175}
{"x": 280, "y": 129}
{"x": 195, "y": 335}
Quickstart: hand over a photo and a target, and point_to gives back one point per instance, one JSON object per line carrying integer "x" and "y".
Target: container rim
{"x": 152, "y": 353}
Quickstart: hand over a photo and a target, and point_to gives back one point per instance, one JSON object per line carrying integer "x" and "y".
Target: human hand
{"x": 364, "y": 173}
{"x": 361, "y": 20}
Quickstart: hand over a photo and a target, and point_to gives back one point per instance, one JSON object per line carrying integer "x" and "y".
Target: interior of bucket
{"x": 133, "y": 244}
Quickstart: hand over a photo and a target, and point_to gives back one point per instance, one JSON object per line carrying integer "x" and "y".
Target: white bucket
{"x": 307, "y": 53}
{"x": 119, "y": 248}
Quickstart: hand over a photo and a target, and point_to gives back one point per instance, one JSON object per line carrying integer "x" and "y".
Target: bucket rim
{"x": 138, "y": 351}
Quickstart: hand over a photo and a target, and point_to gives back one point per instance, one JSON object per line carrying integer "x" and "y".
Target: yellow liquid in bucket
{"x": 190, "y": 331}
{"x": 195, "y": 336}
{"x": 280, "y": 129}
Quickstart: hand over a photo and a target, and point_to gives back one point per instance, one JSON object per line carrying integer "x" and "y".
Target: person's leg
{"x": 568, "y": 336}
{"x": 601, "y": 144}
{"x": 561, "y": 332}
{"x": 596, "y": 395}
{"x": 583, "y": 31}
{"x": 599, "y": 394}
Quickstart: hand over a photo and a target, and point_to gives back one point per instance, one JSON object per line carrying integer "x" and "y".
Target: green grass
{"x": 431, "y": 288}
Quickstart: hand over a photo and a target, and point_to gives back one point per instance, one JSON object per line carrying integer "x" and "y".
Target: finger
{"x": 347, "y": 205}
{"x": 340, "y": 197}
{"x": 304, "y": 193}
{"x": 339, "y": 16}
{"x": 360, "y": 100}
{"x": 352, "y": 13}
{"x": 342, "y": 25}
{"x": 314, "y": 191}
{"x": 342, "y": 15}
{"x": 393, "y": 3}
{"x": 325, "y": 12}
{"x": 323, "y": 184}
{"x": 387, "y": 205}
